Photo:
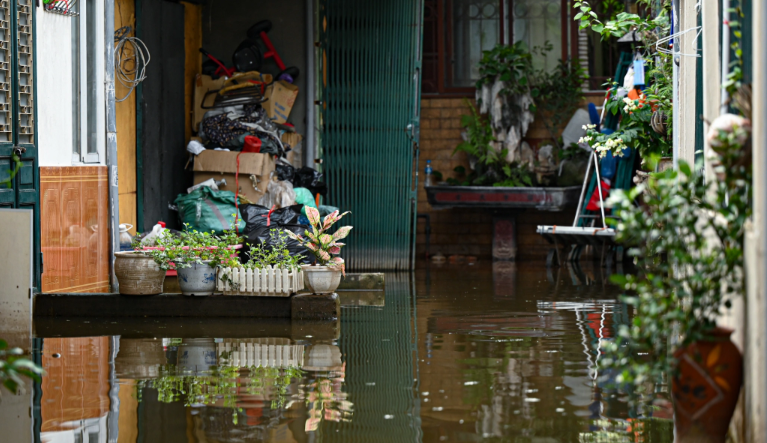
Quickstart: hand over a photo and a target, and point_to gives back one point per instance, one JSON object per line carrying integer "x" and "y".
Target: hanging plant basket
{"x": 267, "y": 282}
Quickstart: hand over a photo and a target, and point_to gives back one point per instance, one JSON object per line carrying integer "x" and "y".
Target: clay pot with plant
{"x": 195, "y": 256}
{"x": 324, "y": 275}
{"x": 688, "y": 248}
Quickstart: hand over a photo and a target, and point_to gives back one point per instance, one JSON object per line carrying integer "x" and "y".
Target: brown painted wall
{"x": 465, "y": 231}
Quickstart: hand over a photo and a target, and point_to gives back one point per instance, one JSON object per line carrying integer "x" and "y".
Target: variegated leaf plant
{"x": 325, "y": 247}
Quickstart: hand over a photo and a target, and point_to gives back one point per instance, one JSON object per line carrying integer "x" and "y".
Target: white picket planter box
{"x": 268, "y": 282}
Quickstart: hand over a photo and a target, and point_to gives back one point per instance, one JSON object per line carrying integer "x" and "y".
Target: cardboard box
{"x": 223, "y": 165}
{"x": 281, "y": 96}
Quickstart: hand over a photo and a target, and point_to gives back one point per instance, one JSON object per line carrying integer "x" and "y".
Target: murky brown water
{"x": 457, "y": 354}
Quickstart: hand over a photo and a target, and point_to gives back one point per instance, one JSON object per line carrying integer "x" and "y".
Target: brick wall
{"x": 468, "y": 231}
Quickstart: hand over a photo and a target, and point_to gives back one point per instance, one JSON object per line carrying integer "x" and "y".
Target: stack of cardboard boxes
{"x": 255, "y": 170}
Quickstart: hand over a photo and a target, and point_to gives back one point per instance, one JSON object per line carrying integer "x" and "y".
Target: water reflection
{"x": 497, "y": 353}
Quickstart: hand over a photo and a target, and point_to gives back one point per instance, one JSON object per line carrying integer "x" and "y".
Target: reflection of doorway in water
{"x": 504, "y": 279}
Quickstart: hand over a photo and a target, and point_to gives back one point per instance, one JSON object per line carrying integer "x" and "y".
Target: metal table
{"x": 507, "y": 201}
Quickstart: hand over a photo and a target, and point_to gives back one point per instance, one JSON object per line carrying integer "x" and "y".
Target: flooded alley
{"x": 480, "y": 353}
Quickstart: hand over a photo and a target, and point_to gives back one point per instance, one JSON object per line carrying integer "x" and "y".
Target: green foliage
{"x": 192, "y": 246}
{"x": 276, "y": 255}
{"x": 323, "y": 245}
{"x": 735, "y": 74}
{"x": 14, "y": 366}
{"x": 635, "y": 132}
{"x": 559, "y": 94}
{"x": 511, "y": 64}
{"x": 12, "y": 172}
{"x": 516, "y": 176}
{"x": 688, "y": 244}
{"x": 623, "y": 22}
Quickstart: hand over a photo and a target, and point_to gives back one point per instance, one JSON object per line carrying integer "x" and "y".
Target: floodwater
{"x": 484, "y": 353}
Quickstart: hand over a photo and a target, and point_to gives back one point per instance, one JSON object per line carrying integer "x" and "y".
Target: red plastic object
{"x": 271, "y": 52}
{"x": 222, "y": 70}
{"x": 252, "y": 144}
{"x": 594, "y": 204}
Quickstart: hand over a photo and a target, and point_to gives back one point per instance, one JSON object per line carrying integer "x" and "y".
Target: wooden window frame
{"x": 569, "y": 43}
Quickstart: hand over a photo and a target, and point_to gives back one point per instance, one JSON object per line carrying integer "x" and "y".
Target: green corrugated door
{"x": 369, "y": 95}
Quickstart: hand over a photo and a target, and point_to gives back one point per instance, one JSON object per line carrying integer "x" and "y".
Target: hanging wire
{"x": 131, "y": 58}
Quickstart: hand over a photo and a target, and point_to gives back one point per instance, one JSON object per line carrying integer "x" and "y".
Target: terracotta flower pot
{"x": 706, "y": 388}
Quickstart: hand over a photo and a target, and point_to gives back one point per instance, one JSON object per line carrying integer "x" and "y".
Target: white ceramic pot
{"x": 198, "y": 279}
{"x": 321, "y": 279}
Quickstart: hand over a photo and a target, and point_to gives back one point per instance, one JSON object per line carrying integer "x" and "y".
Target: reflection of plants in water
{"x": 326, "y": 400}
{"x": 223, "y": 385}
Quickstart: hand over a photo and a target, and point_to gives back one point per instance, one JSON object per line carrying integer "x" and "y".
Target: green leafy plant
{"x": 12, "y": 172}
{"x": 320, "y": 243}
{"x": 512, "y": 64}
{"x": 687, "y": 242}
{"x": 558, "y": 95}
{"x": 623, "y": 22}
{"x": 192, "y": 246}
{"x": 491, "y": 168}
{"x": 635, "y": 132}
{"x": 14, "y": 366}
{"x": 276, "y": 255}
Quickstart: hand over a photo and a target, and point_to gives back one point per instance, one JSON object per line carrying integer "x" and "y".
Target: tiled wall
{"x": 467, "y": 231}
{"x": 74, "y": 228}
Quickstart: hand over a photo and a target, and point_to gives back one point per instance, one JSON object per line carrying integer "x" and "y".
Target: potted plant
{"x": 688, "y": 246}
{"x": 137, "y": 273}
{"x": 195, "y": 256}
{"x": 324, "y": 275}
{"x": 271, "y": 270}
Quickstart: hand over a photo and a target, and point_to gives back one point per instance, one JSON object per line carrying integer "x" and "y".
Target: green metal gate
{"x": 369, "y": 61}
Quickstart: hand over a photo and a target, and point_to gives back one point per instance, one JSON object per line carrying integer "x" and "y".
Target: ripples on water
{"x": 477, "y": 354}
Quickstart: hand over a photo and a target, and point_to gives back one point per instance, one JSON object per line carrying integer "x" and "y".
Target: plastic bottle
{"x": 125, "y": 238}
{"x": 427, "y": 172}
{"x": 157, "y": 232}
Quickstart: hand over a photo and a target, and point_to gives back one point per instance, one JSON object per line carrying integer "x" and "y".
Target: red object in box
{"x": 252, "y": 144}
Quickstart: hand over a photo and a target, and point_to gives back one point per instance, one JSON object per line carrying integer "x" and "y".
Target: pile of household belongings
{"x": 245, "y": 146}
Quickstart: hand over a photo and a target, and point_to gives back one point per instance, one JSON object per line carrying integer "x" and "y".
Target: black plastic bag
{"x": 310, "y": 179}
{"x": 257, "y": 216}
{"x": 261, "y": 237}
{"x": 285, "y": 172}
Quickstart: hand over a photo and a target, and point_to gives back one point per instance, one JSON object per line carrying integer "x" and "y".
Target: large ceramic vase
{"x": 321, "y": 279}
{"x": 706, "y": 388}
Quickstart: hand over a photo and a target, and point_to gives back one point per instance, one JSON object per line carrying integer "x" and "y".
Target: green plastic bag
{"x": 207, "y": 210}
{"x": 304, "y": 197}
